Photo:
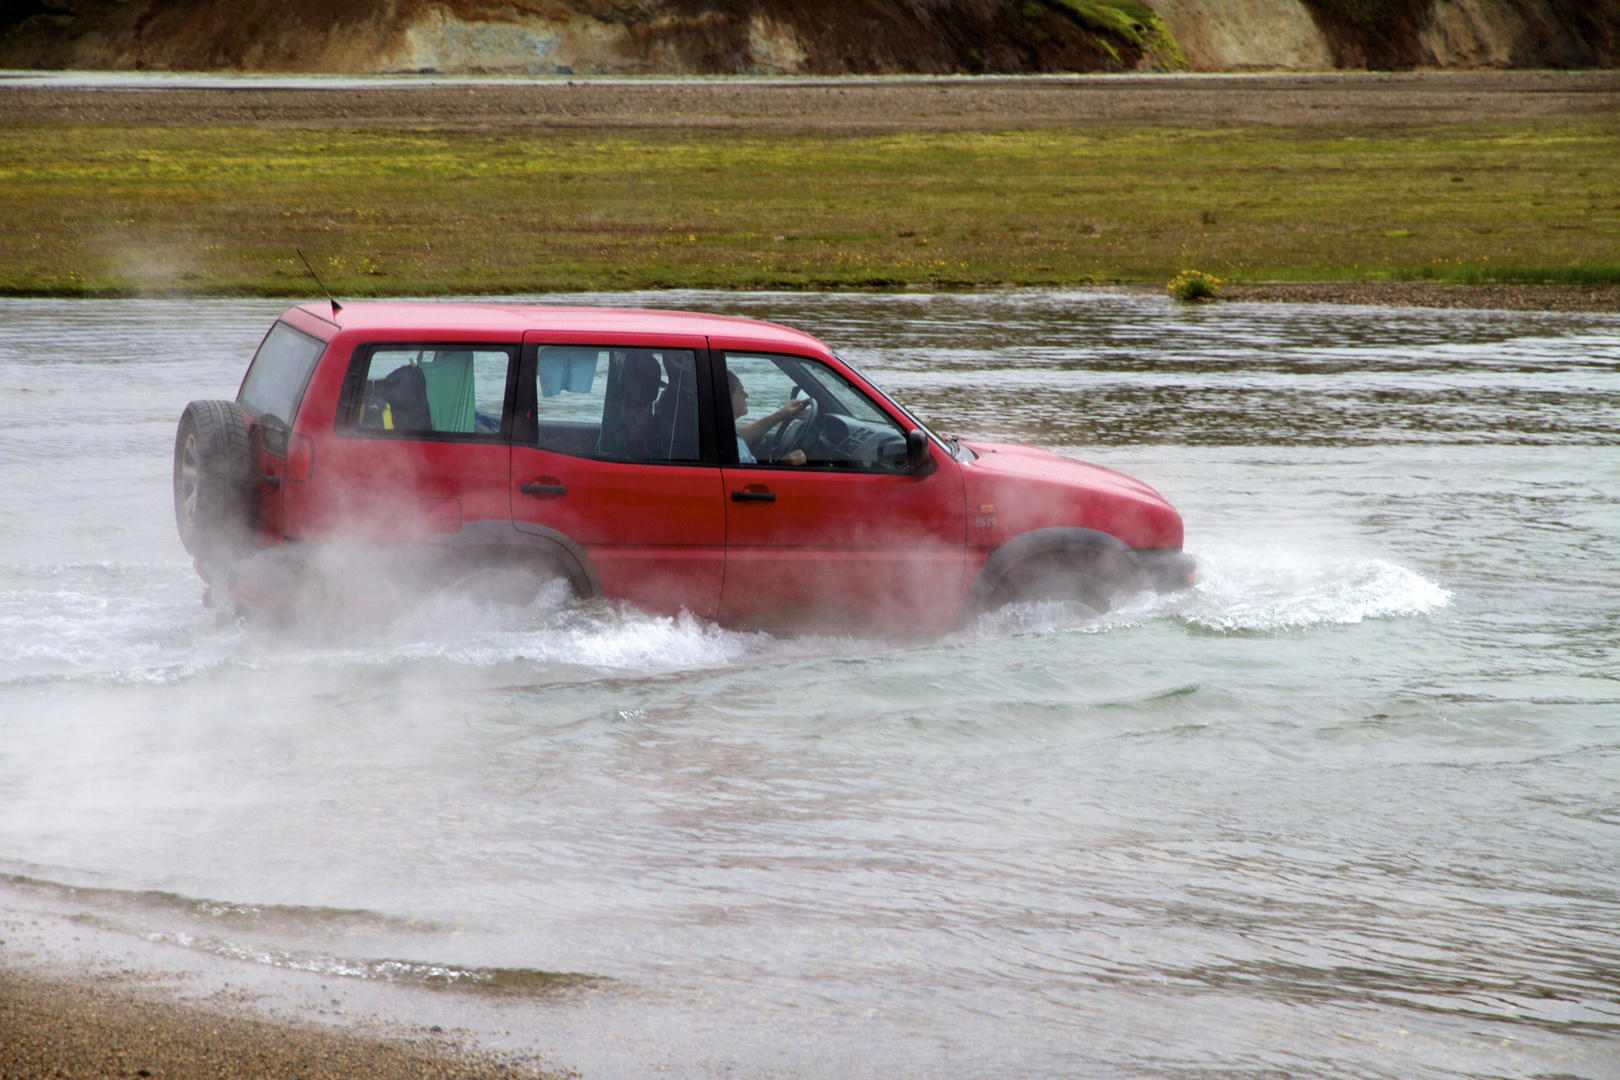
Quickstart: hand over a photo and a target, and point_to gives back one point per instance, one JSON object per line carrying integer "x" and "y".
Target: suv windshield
{"x": 275, "y": 380}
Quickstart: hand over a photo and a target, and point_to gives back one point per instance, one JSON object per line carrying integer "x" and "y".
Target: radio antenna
{"x": 336, "y": 307}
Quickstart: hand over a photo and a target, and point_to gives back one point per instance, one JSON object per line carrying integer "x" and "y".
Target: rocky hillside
{"x": 804, "y": 36}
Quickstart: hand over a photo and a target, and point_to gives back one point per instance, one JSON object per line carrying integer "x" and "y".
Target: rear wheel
{"x": 514, "y": 579}
{"x": 213, "y": 480}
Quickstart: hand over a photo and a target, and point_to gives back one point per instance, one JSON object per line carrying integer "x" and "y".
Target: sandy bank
{"x": 107, "y": 1027}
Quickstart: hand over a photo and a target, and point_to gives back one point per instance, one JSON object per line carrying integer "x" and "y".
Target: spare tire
{"x": 214, "y": 490}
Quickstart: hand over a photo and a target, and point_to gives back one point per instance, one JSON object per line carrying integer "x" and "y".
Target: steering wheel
{"x": 793, "y": 432}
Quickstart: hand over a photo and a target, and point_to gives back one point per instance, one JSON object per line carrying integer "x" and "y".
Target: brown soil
{"x": 1598, "y": 298}
{"x": 51, "y": 1029}
{"x": 852, "y": 104}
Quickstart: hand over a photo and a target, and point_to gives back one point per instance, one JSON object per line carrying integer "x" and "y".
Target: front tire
{"x": 1082, "y": 595}
{"x": 1069, "y": 581}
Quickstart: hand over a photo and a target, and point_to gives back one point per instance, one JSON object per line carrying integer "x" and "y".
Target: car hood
{"x": 1029, "y": 488}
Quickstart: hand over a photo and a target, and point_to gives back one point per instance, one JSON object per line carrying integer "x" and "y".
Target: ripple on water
{"x": 1346, "y": 808}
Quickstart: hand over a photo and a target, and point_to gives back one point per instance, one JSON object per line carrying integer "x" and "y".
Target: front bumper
{"x": 1162, "y": 569}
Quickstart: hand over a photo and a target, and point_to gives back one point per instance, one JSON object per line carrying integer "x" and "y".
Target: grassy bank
{"x": 108, "y": 210}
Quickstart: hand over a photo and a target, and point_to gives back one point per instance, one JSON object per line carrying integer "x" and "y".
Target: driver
{"x": 750, "y": 433}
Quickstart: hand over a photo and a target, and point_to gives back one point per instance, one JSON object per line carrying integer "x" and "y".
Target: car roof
{"x": 448, "y": 319}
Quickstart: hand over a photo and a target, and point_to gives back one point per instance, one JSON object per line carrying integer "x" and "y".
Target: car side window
{"x": 616, "y": 404}
{"x": 800, "y": 412}
{"x": 434, "y": 390}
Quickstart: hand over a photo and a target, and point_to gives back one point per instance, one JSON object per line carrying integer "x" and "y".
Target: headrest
{"x": 641, "y": 378}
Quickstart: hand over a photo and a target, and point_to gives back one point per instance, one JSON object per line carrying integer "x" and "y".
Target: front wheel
{"x": 1079, "y": 592}
{"x": 1076, "y": 579}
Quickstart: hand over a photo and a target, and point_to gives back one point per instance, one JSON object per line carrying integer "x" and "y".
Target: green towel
{"x": 449, "y": 378}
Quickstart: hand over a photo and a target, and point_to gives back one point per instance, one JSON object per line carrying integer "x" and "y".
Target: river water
{"x": 1351, "y": 807}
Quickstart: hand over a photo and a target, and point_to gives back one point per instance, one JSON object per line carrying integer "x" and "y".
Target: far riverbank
{"x": 1382, "y": 185}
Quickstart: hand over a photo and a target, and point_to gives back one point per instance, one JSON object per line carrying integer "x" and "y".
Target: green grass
{"x": 116, "y": 210}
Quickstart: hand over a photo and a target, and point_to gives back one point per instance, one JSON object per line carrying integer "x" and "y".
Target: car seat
{"x": 629, "y": 428}
{"x": 676, "y": 412}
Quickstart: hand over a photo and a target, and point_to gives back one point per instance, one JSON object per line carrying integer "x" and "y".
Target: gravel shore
{"x": 843, "y": 104}
{"x": 1600, "y": 298}
{"x": 53, "y": 1028}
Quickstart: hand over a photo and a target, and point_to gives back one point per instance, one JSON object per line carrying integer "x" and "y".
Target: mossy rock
{"x": 1132, "y": 22}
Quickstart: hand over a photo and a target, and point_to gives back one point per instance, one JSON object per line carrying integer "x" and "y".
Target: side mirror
{"x": 919, "y": 462}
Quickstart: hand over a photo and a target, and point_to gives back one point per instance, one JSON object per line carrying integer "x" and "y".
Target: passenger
{"x": 750, "y": 433}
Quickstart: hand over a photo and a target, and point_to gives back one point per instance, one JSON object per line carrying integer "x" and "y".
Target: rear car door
{"x": 271, "y": 393}
{"x": 615, "y": 450}
{"x": 849, "y": 539}
{"x": 421, "y": 446}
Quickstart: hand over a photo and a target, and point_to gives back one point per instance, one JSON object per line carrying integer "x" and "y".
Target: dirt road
{"x": 853, "y": 104}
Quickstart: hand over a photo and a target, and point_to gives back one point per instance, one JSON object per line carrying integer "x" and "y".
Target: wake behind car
{"x": 727, "y": 467}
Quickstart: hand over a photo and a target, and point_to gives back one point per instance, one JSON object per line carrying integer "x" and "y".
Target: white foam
{"x": 1271, "y": 591}
{"x": 142, "y": 625}
{"x": 1250, "y": 591}
{"x": 133, "y": 625}
{"x": 101, "y": 622}
{"x": 603, "y": 636}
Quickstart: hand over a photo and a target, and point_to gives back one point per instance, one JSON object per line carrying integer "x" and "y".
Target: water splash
{"x": 127, "y": 624}
{"x": 1271, "y": 592}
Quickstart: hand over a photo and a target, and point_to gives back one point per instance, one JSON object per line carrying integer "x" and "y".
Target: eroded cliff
{"x": 804, "y": 36}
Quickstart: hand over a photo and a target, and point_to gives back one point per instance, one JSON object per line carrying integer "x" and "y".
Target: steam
{"x": 151, "y": 267}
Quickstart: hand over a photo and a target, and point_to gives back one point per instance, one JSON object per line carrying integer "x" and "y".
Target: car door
{"x": 271, "y": 394}
{"x": 848, "y": 539}
{"x": 615, "y": 450}
{"x": 419, "y": 444}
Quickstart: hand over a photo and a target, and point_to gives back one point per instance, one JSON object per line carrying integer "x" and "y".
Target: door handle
{"x": 753, "y": 496}
{"x": 535, "y": 487}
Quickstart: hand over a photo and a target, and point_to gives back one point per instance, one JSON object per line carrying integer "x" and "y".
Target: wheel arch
{"x": 500, "y": 540}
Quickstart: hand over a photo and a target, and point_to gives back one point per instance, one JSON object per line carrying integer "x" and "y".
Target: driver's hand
{"x": 794, "y": 457}
{"x": 793, "y": 407}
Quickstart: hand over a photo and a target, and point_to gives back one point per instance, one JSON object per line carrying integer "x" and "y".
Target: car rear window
{"x": 280, "y": 369}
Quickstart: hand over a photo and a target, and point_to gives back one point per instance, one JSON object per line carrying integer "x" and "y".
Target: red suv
{"x": 732, "y": 468}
